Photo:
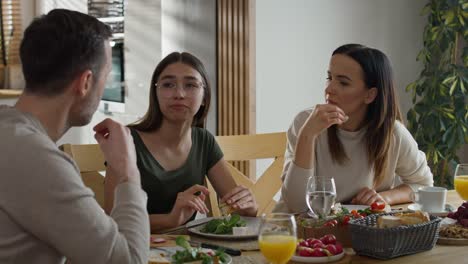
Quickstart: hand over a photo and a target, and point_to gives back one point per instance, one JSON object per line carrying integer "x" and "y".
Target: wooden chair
{"x": 90, "y": 161}
{"x": 253, "y": 147}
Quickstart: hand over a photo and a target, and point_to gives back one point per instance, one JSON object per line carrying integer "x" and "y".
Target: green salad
{"x": 193, "y": 254}
{"x": 224, "y": 225}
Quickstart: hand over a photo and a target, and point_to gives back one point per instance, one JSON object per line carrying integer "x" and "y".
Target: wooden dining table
{"x": 439, "y": 254}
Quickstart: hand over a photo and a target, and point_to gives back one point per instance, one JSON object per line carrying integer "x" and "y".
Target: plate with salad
{"x": 228, "y": 227}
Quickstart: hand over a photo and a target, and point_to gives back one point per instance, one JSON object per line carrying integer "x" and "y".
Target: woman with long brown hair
{"x": 175, "y": 152}
{"x": 356, "y": 137}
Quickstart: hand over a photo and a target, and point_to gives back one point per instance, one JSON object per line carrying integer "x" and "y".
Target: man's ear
{"x": 371, "y": 95}
{"x": 83, "y": 83}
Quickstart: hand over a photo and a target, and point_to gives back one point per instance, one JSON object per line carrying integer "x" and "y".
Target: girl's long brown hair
{"x": 153, "y": 118}
{"x": 381, "y": 113}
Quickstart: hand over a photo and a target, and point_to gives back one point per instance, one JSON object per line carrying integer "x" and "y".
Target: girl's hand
{"x": 188, "y": 202}
{"x": 367, "y": 196}
{"x": 241, "y": 199}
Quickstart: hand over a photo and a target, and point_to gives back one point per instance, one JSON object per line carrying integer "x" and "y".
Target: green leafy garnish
{"x": 223, "y": 226}
{"x": 193, "y": 254}
{"x": 366, "y": 211}
{"x": 312, "y": 222}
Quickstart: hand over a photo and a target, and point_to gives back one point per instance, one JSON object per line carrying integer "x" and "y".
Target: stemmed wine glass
{"x": 321, "y": 194}
{"x": 461, "y": 180}
{"x": 277, "y": 237}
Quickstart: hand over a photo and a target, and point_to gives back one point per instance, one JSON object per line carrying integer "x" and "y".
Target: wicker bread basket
{"x": 386, "y": 243}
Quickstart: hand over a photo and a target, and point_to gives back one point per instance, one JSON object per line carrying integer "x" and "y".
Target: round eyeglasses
{"x": 169, "y": 88}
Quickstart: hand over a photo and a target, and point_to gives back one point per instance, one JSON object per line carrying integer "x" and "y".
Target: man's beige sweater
{"x": 46, "y": 212}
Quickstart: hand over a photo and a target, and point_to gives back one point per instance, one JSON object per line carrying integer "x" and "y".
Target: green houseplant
{"x": 439, "y": 118}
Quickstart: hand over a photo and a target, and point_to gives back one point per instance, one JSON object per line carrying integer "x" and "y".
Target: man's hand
{"x": 117, "y": 145}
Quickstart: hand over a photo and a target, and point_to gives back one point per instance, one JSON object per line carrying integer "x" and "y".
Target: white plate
{"x": 317, "y": 259}
{"x": 252, "y": 223}
{"x": 416, "y": 207}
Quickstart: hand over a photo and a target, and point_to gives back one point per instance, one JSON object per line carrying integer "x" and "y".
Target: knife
{"x": 227, "y": 250}
{"x": 187, "y": 226}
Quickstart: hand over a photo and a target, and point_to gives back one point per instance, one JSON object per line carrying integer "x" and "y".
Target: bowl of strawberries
{"x": 318, "y": 250}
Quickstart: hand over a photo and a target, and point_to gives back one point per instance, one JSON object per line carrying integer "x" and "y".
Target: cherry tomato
{"x": 377, "y": 206}
{"x": 346, "y": 219}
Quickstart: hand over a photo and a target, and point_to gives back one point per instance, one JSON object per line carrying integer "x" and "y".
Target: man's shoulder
{"x": 15, "y": 124}
{"x": 24, "y": 141}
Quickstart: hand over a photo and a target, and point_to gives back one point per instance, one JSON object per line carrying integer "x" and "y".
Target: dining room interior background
{"x": 13, "y": 77}
{"x": 11, "y": 31}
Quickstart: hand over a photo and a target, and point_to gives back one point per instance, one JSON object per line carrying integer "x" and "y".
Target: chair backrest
{"x": 253, "y": 147}
{"x": 90, "y": 161}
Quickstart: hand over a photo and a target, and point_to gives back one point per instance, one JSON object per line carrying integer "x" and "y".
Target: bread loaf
{"x": 388, "y": 221}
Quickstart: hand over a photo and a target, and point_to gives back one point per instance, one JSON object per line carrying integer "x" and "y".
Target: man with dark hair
{"x": 46, "y": 212}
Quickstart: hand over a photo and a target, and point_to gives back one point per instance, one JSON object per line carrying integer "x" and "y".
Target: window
{"x": 11, "y": 32}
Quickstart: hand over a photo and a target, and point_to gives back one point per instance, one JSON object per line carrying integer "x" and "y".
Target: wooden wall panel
{"x": 12, "y": 31}
{"x": 236, "y": 90}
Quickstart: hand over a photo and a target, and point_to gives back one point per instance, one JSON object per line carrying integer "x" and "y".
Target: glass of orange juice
{"x": 277, "y": 237}
{"x": 461, "y": 180}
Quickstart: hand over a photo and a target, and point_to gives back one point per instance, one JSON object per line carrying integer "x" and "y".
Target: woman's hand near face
{"x": 320, "y": 119}
{"x": 323, "y": 116}
{"x": 241, "y": 199}
{"x": 367, "y": 196}
{"x": 188, "y": 202}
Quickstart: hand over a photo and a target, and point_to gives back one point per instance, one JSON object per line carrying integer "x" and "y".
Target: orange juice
{"x": 277, "y": 248}
{"x": 461, "y": 185}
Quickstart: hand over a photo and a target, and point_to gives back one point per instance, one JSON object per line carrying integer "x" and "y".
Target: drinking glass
{"x": 320, "y": 195}
{"x": 461, "y": 180}
{"x": 277, "y": 237}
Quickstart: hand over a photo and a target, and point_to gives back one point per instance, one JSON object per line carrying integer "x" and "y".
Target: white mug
{"x": 431, "y": 199}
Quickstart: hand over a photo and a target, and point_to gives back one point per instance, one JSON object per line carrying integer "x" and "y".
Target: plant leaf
{"x": 449, "y": 16}
{"x": 452, "y": 88}
{"x": 461, "y": 19}
{"x": 462, "y": 86}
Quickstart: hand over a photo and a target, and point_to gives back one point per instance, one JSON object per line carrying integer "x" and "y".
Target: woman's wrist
{"x": 386, "y": 197}
{"x": 306, "y": 135}
{"x": 304, "y": 154}
{"x": 398, "y": 195}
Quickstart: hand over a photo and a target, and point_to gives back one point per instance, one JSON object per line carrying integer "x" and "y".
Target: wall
{"x": 190, "y": 25}
{"x": 295, "y": 39}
